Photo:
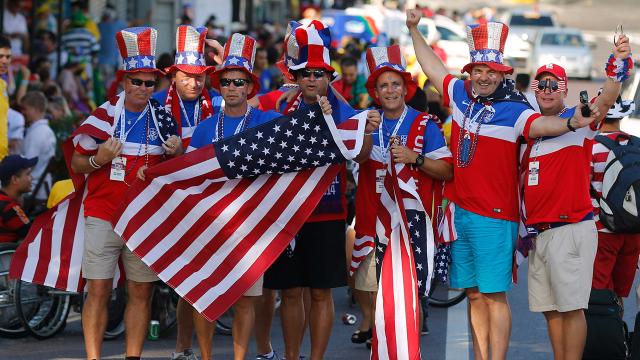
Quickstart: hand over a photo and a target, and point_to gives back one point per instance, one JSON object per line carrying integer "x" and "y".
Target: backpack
{"x": 607, "y": 334}
{"x": 620, "y": 201}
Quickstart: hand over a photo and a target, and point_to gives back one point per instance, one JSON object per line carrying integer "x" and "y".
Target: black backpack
{"x": 620, "y": 201}
{"x": 607, "y": 334}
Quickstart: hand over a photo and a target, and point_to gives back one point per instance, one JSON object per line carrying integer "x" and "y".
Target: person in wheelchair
{"x": 15, "y": 181}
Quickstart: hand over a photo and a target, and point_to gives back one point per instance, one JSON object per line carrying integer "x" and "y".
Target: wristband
{"x": 24, "y": 82}
{"x": 571, "y": 128}
{"x": 93, "y": 163}
{"x": 618, "y": 70}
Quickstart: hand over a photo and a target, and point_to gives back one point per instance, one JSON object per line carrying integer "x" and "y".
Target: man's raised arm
{"x": 429, "y": 61}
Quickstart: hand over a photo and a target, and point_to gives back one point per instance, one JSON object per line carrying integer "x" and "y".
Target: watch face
{"x": 419, "y": 160}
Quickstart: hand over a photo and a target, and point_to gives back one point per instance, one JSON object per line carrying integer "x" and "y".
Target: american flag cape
{"x": 51, "y": 253}
{"x": 211, "y": 222}
{"x": 396, "y": 334}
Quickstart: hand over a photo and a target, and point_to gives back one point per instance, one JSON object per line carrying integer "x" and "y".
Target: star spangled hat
{"x": 486, "y": 46}
{"x": 383, "y": 59}
{"x": 307, "y": 46}
{"x": 137, "y": 46}
{"x": 239, "y": 53}
{"x": 190, "y": 50}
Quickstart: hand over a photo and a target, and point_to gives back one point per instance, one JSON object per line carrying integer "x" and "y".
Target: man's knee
{"x": 321, "y": 295}
{"x": 474, "y": 295}
{"x": 291, "y": 295}
{"x": 245, "y": 304}
{"x": 99, "y": 289}
{"x": 139, "y": 291}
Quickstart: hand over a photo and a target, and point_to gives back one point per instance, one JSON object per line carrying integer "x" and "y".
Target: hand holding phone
{"x": 584, "y": 99}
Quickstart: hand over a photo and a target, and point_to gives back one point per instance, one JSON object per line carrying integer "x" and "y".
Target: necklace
{"x": 196, "y": 112}
{"x": 144, "y": 136}
{"x": 466, "y": 147}
{"x": 383, "y": 144}
{"x": 241, "y": 126}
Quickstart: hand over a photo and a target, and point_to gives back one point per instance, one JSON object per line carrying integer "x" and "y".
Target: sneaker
{"x": 272, "y": 356}
{"x": 187, "y": 354}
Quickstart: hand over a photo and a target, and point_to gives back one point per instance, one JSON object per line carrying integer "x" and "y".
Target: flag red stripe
{"x": 190, "y": 235}
{"x": 254, "y": 235}
{"x": 221, "y": 238}
{"x": 68, "y": 237}
{"x": 387, "y": 277}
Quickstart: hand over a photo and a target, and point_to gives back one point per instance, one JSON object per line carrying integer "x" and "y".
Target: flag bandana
{"x": 211, "y": 222}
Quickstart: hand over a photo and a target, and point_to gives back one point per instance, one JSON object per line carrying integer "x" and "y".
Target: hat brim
{"x": 121, "y": 73}
{"x": 215, "y": 79}
{"x": 189, "y": 69}
{"x": 493, "y": 65}
{"x": 408, "y": 83}
{"x": 313, "y": 65}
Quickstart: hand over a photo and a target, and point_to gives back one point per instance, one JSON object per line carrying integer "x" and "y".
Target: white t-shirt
{"x": 40, "y": 142}
{"x": 15, "y": 24}
{"x": 16, "y": 125}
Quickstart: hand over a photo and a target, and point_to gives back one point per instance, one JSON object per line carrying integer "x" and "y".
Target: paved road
{"x": 448, "y": 339}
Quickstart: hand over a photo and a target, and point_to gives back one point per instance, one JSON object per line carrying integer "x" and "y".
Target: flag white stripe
{"x": 210, "y": 232}
{"x": 182, "y": 227}
{"x": 265, "y": 239}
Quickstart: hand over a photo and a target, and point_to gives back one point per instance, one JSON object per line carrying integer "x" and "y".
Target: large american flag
{"x": 396, "y": 333}
{"x": 211, "y": 222}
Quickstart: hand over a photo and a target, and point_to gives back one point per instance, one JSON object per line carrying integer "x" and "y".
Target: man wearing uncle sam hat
{"x": 489, "y": 119}
{"x": 118, "y": 141}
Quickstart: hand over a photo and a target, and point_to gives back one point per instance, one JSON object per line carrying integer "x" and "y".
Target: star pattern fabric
{"x": 279, "y": 146}
{"x": 442, "y": 261}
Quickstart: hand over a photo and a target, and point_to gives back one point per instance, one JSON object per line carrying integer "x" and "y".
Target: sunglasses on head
{"x": 236, "y": 82}
{"x": 306, "y": 73}
{"x": 139, "y": 82}
{"x": 552, "y": 85}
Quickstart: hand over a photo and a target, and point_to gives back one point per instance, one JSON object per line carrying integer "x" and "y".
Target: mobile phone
{"x": 584, "y": 99}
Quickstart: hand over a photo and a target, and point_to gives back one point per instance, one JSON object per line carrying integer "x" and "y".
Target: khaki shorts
{"x": 561, "y": 267}
{"x": 365, "y": 276}
{"x": 103, "y": 247}
{"x": 256, "y": 289}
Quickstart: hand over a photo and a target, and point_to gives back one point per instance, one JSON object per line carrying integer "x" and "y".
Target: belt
{"x": 540, "y": 227}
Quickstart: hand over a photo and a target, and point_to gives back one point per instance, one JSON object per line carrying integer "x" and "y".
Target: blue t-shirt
{"x": 434, "y": 140}
{"x": 135, "y": 129}
{"x": 206, "y": 131}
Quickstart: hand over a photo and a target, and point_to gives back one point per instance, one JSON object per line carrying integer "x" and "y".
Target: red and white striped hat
{"x": 486, "y": 46}
{"x": 383, "y": 59}
{"x": 239, "y": 53}
{"x": 137, "y": 46}
{"x": 190, "y": 50}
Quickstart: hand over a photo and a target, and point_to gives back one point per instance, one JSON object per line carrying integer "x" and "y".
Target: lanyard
{"x": 122, "y": 135}
{"x": 241, "y": 125}
{"x": 383, "y": 144}
{"x": 196, "y": 112}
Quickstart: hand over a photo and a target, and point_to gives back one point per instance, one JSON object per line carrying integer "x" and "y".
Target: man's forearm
{"x": 437, "y": 169}
{"x": 367, "y": 146}
{"x": 80, "y": 164}
{"x": 431, "y": 64}
{"x": 610, "y": 92}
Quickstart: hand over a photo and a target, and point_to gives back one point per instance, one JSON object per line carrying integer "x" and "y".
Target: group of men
{"x": 484, "y": 183}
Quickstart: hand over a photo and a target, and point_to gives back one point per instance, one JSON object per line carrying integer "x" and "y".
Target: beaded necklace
{"x": 241, "y": 127}
{"x": 466, "y": 147}
{"x": 144, "y": 136}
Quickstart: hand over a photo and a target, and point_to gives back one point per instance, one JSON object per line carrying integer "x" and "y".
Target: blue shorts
{"x": 482, "y": 255}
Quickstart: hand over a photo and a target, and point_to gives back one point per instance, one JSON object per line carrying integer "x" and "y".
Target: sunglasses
{"x": 306, "y": 73}
{"x": 552, "y": 85}
{"x": 138, "y": 82}
{"x": 236, "y": 82}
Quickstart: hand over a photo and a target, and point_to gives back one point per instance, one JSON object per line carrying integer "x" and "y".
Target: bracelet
{"x": 618, "y": 70}
{"x": 24, "y": 82}
{"x": 93, "y": 163}
{"x": 368, "y": 134}
{"x": 571, "y": 128}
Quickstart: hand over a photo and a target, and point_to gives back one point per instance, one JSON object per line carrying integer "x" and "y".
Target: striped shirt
{"x": 80, "y": 44}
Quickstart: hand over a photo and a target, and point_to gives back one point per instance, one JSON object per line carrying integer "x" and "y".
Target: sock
{"x": 269, "y": 354}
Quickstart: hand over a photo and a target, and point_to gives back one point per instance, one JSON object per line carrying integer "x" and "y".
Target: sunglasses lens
{"x": 136, "y": 82}
{"x": 238, "y": 82}
{"x": 150, "y": 83}
{"x": 541, "y": 86}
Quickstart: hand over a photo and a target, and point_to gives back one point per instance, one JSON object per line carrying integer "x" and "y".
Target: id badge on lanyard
{"x": 534, "y": 173}
{"x": 380, "y": 174}
{"x": 118, "y": 167}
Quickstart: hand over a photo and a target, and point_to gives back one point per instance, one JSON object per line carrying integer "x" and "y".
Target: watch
{"x": 419, "y": 160}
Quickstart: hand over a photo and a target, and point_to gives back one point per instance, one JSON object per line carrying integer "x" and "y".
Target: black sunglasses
{"x": 138, "y": 82}
{"x": 549, "y": 84}
{"x": 236, "y": 82}
{"x": 306, "y": 73}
